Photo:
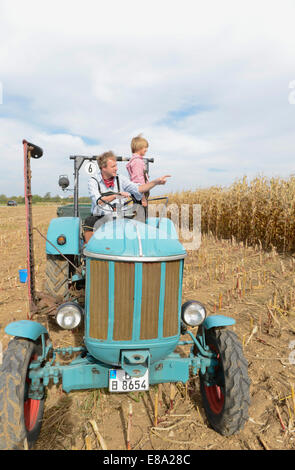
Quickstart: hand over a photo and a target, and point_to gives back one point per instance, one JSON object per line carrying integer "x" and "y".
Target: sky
{"x": 210, "y": 85}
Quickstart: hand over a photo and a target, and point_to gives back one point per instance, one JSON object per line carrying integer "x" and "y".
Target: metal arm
{"x": 30, "y": 151}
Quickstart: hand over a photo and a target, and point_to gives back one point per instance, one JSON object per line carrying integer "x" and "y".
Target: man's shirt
{"x": 95, "y": 191}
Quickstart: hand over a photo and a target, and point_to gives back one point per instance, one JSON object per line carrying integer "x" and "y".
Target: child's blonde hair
{"x": 138, "y": 142}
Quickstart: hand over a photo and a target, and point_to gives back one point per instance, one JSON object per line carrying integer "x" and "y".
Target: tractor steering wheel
{"x": 113, "y": 206}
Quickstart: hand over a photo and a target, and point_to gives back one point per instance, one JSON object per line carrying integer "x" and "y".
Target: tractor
{"x": 132, "y": 317}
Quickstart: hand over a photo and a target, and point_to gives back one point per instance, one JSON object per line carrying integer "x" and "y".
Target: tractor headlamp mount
{"x": 193, "y": 313}
{"x": 69, "y": 315}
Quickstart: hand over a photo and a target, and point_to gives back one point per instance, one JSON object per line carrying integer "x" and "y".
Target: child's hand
{"x": 124, "y": 194}
{"x": 144, "y": 202}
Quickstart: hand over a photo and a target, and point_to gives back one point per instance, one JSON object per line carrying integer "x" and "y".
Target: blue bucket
{"x": 23, "y": 275}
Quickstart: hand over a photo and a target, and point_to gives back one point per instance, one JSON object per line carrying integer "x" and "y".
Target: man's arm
{"x": 137, "y": 190}
{"x": 94, "y": 193}
{"x": 143, "y": 188}
{"x": 103, "y": 199}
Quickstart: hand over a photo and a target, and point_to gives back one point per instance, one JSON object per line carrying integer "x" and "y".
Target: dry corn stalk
{"x": 156, "y": 408}
{"x": 293, "y": 398}
{"x": 263, "y": 443}
{"x": 260, "y": 212}
{"x": 98, "y": 435}
{"x": 88, "y": 445}
{"x": 280, "y": 418}
{"x": 160, "y": 390}
{"x": 253, "y": 332}
{"x": 220, "y": 301}
{"x": 129, "y": 426}
{"x": 173, "y": 392}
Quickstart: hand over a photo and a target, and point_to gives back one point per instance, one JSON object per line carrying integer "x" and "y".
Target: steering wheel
{"x": 113, "y": 206}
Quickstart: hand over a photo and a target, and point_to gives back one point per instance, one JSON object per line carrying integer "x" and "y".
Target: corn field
{"x": 261, "y": 211}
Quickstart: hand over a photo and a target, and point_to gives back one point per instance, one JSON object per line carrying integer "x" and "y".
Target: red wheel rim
{"x": 214, "y": 393}
{"x": 31, "y": 407}
{"x": 31, "y": 410}
{"x": 215, "y": 398}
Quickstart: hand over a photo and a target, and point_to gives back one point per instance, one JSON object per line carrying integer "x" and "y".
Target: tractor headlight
{"x": 193, "y": 313}
{"x": 69, "y": 315}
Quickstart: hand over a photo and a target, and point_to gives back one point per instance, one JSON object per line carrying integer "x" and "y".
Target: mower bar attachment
{"x": 35, "y": 151}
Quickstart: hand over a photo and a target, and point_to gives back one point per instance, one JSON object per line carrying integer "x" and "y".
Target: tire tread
{"x": 237, "y": 383}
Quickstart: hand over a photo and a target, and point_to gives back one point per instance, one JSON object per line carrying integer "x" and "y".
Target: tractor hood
{"x": 130, "y": 240}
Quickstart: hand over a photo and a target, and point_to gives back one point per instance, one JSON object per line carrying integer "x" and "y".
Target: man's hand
{"x": 143, "y": 188}
{"x": 162, "y": 179}
{"x": 124, "y": 194}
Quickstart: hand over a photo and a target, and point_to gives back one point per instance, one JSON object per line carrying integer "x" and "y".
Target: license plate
{"x": 120, "y": 381}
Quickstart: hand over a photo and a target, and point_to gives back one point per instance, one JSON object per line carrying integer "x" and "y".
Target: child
{"x": 136, "y": 166}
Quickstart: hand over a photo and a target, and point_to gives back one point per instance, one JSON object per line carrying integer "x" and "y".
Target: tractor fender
{"x": 25, "y": 329}
{"x": 214, "y": 321}
{"x": 69, "y": 227}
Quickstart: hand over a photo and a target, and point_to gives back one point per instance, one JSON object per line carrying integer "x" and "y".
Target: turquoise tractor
{"x": 133, "y": 320}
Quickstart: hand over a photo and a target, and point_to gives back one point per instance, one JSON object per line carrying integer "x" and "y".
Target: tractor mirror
{"x": 63, "y": 182}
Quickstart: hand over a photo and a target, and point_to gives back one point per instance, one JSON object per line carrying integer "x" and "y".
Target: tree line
{"x": 47, "y": 198}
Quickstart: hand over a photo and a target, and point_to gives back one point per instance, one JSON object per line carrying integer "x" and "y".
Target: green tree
{"x": 47, "y": 197}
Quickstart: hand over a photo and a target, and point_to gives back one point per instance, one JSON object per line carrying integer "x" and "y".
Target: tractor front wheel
{"x": 225, "y": 392}
{"x": 20, "y": 416}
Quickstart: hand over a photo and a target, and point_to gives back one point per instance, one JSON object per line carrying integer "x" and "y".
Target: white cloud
{"x": 109, "y": 70}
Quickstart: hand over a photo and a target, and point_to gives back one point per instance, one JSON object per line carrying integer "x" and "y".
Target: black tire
{"x": 57, "y": 277}
{"x": 227, "y": 399}
{"x": 20, "y": 417}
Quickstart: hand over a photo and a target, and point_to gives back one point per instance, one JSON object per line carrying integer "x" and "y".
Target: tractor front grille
{"x": 123, "y": 301}
{"x": 99, "y": 299}
{"x": 134, "y": 301}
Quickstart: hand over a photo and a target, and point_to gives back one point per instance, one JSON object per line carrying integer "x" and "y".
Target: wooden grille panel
{"x": 151, "y": 281}
{"x": 99, "y": 299}
{"x": 170, "y": 323}
{"x": 123, "y": 301}
{"x": 124, "y": 297}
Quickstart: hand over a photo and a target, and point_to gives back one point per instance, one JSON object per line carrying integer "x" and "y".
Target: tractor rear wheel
{"x": 57, "y": 277}
{"x": 225, "y": 392}
{"x": 20, "y": 416}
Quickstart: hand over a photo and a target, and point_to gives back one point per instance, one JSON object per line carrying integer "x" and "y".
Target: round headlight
{"x": 69, "y": 315}
{"x": 193, "y": 313}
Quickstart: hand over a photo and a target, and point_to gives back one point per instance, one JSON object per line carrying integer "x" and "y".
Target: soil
{"x": 254, "y": 287}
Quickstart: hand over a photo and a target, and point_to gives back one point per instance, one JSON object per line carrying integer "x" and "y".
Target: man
{"x": 108, "y": 180}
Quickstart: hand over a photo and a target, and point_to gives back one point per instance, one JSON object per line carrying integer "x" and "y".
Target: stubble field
{"x": 254, "y": 286}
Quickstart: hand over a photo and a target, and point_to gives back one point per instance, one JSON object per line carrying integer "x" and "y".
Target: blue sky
{"x": 207, "y": 83}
